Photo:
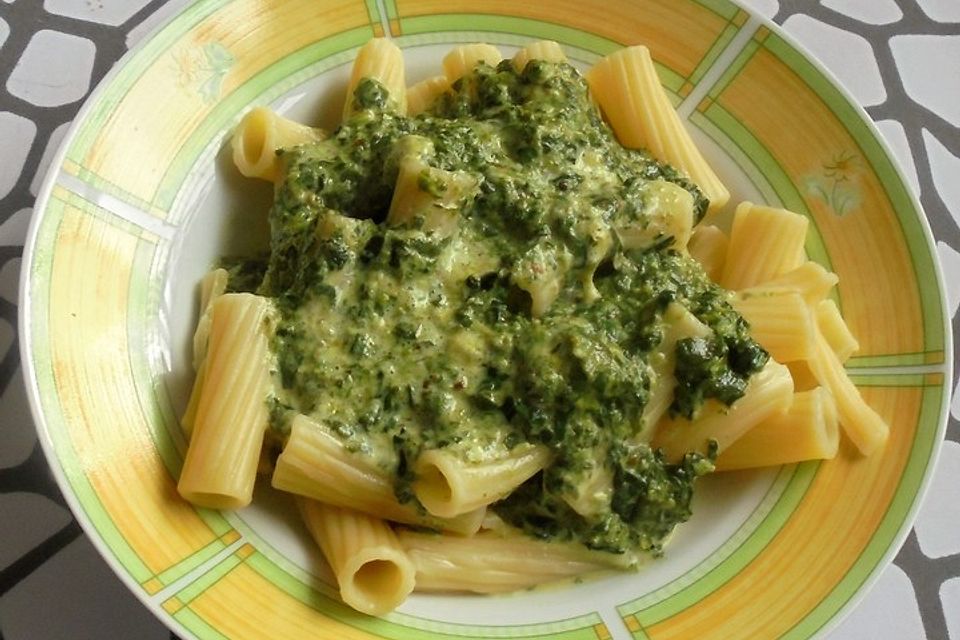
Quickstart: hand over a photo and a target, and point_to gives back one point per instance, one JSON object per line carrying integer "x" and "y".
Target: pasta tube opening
{"x": 378, "y": 584}
{"x": 448, "y": 487}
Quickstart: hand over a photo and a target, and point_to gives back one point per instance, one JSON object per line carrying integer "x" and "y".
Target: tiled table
{"x": 900, "y": 60}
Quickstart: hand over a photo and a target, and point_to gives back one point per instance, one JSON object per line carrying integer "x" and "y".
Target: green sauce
{"x": 518, "y": 307}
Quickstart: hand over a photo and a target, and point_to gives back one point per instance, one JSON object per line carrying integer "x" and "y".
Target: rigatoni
{"x": 490, "y": 563}
{"x": 381, "y": 60}
{"x": 810, "y": 280}
{"x": 708, "y": 246}
{"x": 765, "y": 242}
{"x": 449, "y": 486}
{"x": 546, "y": 50}
{"x": 316, "y": 464}
{"x": 424, "y": 196}
{"x": 212, "y": 286}
{"x": 626, "y": 85}
{"x": 422, "y": 94}
{"x": 372, "y": 570}
{"x": 679, "y": 323}
{"x": 462, "y": 59}
{"x": 782, "y": 323}
{"x": 860, "y": 422}
{"x": 835, "y": 330}
{"x": 671, "y": 218}
{"x": 768, "y": 394}
{"x": 258, "y": 137}
{"x": 807, "y": 431}
{"x": 231, "y": 415}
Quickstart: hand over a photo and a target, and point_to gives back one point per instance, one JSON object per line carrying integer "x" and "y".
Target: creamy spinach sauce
{"x": 509, "y": 309}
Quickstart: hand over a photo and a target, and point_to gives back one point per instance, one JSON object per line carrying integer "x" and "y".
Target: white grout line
{"x": 615, "y": 624}
{"x": 116, "y": 206}
{"x": 719, "y": 66}
{"x": 384, "y": 18}
{"x": 897, "y": 370}
{"x": 196, "y": 573}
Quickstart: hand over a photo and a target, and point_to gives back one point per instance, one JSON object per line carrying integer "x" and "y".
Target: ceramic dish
{"x": 142, "y": 199}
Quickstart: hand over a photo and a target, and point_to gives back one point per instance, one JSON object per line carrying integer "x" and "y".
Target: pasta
{"x": 626, "y": 85}
{"x": 546, "y": 50}
{"x": 808, "y": 430}
{"x": 231, "y": 413}
{"x": 708, "y": 246}
{"x": 258, "y": 137}
{"x": 764, "y": 243}
{"x": 489, "y": 563}
{"x": 316, "y": 465}
{"x": 382, "y": 61}
{"x": 373, "y": 570}
{"x": 490, "y": 316}
{"x": 422, "y": 94}
{"x": 462, "y": 59}
{"x": 769, "y": 394}
{"x": 448, "y": 488}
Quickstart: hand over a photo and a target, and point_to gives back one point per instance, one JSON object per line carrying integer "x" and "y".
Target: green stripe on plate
{"x": 892, "y": 525}
{"x": 803, "y": 476}
{"x": 197, "y": 625}
{"x": 373, "y": 11}
{"x": 907, "y": 214}
{"x": 391, "y": 6}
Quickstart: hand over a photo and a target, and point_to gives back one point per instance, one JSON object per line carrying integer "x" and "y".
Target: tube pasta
{"x": 626, "y": 85}
{"x": 372, "y": 569}
{"x": 708, "y": 246}
{"x": 807, "y": 431}
{"x": 462, "y": 59}
{"x": 835, "y": 330}
{"x": 381, "y": 60}
{"x": 422, "y": 94}
{"x": 672, "y": 216}
{"x": 427, "y": 196}
{"x": 488, "y": 563}
{"x": 860, "y": 422}
{"x": 768, "y": 393}
{"x": 782, "y": 323}
{"x": 316, "y": 464}
{"x": 593, "y": 491}
{"x": 679, "y": 324}
{"x": 810, "y": 280}
{"x": 231, "y": 415}
{"x": 448, "y": 486}
{"x": 258, "y": 137}
{"x": 546, "y": 50}
{"x": 765, "y": 242}
{"x": 190, "y": 413}
{"x": 212, "y": 286}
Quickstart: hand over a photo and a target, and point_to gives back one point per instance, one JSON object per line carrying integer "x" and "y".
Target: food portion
{"x": 489, "y": 316}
